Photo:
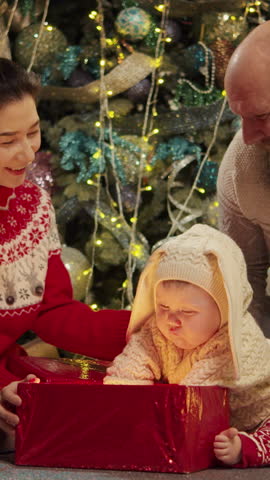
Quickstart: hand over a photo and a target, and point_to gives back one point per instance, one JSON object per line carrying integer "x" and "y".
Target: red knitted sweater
{"x": 35, "y": 288}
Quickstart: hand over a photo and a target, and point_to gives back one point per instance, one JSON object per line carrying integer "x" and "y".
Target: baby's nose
{"x": 175, "y": 320}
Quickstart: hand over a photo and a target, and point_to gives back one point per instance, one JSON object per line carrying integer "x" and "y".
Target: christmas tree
{"x": 134, "y": 123}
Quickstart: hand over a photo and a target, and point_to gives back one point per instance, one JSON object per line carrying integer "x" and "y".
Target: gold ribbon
{"x": 131, "y": 71}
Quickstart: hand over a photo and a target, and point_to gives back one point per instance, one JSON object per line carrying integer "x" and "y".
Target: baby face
{"x": 186, "y": 314}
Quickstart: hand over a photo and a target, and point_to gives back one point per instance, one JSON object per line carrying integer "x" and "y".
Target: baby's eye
{"x": 164, "y": 307}
{"x": 10, "y": 142}
{"x": 32, "y": 134}
{"x": 188, "y": 312}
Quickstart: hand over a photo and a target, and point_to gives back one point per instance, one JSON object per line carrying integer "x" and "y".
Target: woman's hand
{"x": 9, "y": 400}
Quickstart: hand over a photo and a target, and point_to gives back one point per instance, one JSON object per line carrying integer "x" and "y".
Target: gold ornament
{"x": 52, "y": 42}
{"x": 222, "y": 50}
{"x": 78, "y": 268}
{"x": 131, "y": 71}
{"x": 223, "y": 26}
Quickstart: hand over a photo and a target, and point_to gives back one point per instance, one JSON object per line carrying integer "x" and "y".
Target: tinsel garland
{"x": 82, "y": 153}
{"x": 186, "y": 95}
{"x": 186, "y": 121}
{"x": 68, "y": 61}
{"x": 176, "y": 148}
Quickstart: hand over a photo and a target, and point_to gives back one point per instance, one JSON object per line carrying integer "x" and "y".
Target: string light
{"x": 154, "y": 132}
{"x": 90, "y": 182}
{"x": 101, "y": 214}
{"x": 200, "y": 189}
{"x": 94, "y": 306}
{"x": 86, "y": 272}
{"x": 136, "y": 250}
{"x": 160, "y": 8}
{"x": 97, "y": 154}
{"x": 93, "y": 15}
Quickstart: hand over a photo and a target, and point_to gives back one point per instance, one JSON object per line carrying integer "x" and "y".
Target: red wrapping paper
{"x": 50, "y": 370}
{"x": 80, "y": 424}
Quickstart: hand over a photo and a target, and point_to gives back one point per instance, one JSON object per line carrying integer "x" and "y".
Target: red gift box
{"x": 80, "y": 424}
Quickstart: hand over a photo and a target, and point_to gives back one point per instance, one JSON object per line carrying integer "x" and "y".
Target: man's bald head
{"x": 247, "y": 83}
{"x": 250, "y": 61}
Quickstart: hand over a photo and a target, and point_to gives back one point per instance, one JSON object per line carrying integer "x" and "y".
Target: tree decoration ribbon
{"x": 132, "y": 70}
{"x": 191, "y": 214}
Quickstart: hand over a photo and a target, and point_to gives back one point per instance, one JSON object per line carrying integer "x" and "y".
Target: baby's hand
{"x": 9, "y": 399}
{"x": 228, "y": 446}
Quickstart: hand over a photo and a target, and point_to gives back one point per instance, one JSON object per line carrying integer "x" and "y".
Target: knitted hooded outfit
{"x": 35, "y": 288}
{"x": 237, "y": 356}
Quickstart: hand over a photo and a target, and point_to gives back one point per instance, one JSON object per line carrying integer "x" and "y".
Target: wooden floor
{"x": 8, "y": 471}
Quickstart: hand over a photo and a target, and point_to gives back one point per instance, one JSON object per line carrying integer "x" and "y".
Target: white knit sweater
{"x": 243, "y": 189}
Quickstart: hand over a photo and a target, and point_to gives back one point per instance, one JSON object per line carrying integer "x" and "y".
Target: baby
{"x": 190, "y": 326}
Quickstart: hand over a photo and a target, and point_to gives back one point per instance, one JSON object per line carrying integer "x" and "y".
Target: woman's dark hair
{"x": 15, "y": 82}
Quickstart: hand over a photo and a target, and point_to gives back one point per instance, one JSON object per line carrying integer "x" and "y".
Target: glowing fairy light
{"x": 160, "y": 7}
{"x": 93, "y": 15}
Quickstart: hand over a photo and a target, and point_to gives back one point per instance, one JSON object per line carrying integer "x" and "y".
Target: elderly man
{"x": 244, "y": 175}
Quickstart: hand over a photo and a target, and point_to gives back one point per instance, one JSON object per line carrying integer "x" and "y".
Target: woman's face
{"x": 19, "y": 140}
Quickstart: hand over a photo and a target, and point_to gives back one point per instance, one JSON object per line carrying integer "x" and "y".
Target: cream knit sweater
{"x": 244, "y": 195}
{"x": 237, "y": 356}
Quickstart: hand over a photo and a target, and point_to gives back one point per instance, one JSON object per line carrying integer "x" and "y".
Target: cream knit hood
{"x": 238, "y": 356}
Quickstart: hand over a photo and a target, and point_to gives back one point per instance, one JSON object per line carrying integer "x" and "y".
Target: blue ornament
{"x": 194, "y": 61}
{"x": 133, "y": 23}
